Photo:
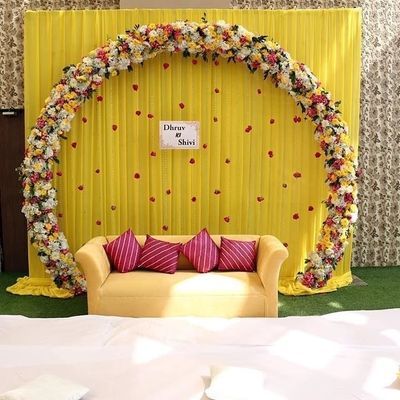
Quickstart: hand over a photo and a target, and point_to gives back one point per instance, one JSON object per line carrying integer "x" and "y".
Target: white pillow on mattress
{"x": 46, "y": 387}
{"x": 235, "y": 383}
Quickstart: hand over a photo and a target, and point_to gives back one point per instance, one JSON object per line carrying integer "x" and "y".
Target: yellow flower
{"x": 344, "y": 222}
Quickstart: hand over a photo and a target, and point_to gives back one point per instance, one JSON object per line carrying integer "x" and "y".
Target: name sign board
{"x": 179, "y": 134}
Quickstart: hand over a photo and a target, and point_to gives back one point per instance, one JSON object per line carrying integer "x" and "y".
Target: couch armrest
{"x": 96, "y": 267}
{"x": 271, "y": 254}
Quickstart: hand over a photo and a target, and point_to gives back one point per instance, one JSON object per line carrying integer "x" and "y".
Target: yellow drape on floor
{"x": 270, "y": 180}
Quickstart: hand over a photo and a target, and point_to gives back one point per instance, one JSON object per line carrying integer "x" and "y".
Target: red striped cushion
{"x": 202, "y": 252}
{"x": 124, "y": 252}
{"x": 236, "y": 255}
{"x": 160, "y": 256}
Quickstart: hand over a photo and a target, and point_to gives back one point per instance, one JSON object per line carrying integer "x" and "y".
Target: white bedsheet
{"x": 340, "y": 356}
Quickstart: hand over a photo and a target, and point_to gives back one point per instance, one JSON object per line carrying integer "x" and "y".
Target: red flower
{"x": 248, "y": 128}
{"x": 194, "y": 62}
{"x": 308, "y": 279}
{"x": 138, "y": 112}
{"x": 297, "y": 175}
{"x": 227, "y": 219}
{"x": 296, "y": 216}
{"x": 317, "y": 154}
{"x": 135, "y": 87}
{"x": 310, "y": 208}
{"x": 194, "y": 199}
{"x": 312, "y": 112}
{"x": 182, "y": 106}
{"x": 137, "y": 175}
{"x": 84, "y": 120}
{"x": 272, "y": 58}
{"x": 99, "y": 98}
{"x": 192, "y": 161}
{"x": 270, "y": 153}
{"x": 319, "y": 98}
{"x": 165, "y": 65}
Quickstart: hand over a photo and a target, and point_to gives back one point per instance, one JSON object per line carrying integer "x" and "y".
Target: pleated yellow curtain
{"x": 258, "y": 169}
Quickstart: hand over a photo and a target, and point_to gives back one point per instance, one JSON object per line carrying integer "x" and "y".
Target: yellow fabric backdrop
{"x": 235, "y": 185}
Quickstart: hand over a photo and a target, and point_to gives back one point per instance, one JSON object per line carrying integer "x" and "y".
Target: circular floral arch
{"x": 192, "y": 39}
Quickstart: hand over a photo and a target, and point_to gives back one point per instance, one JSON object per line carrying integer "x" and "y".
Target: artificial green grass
{"x": 382, "y": 292}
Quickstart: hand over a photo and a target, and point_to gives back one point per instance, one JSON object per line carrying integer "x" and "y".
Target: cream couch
{"x": 152, "y": 294}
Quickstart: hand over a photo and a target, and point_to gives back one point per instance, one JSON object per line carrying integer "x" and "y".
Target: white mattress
{"x": 340, "y": 356}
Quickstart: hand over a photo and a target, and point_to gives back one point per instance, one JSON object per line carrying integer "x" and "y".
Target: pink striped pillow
{"x": 124, "y": 252}
{"x": 160, "y": 256}
{"x": 202, "y": 252}
{"x": 237, "y": 255}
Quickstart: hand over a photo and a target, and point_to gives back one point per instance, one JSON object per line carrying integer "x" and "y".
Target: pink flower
{"x": 308, "y": 279}
{"x": 272, "y": 58}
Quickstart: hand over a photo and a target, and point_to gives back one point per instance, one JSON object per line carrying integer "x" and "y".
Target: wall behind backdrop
{"x": 266, "y": 180}
{"x": 378, "y": 240}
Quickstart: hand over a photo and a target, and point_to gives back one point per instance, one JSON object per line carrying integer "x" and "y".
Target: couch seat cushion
{"x": 182, "y": 283}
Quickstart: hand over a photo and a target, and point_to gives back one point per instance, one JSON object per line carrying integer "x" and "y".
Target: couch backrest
{"x": 183, "y": 262}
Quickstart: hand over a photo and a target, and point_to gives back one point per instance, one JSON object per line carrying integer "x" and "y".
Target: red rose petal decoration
{"x": 98, "y": 222}
{"x": 84, "y": 120}
{"x": 150, "y": 116}
{"x": 217, "y": 191}
{"x": 60, "y": 215}
{"x": 248, "y": 128}
{"x": 165, "y": 227}
{"x": 194, "y": 199}
{"x": 194, "y": 62}
{"x": 215, "y": 119}
{"x": 138, "y": 112}
{"x": 285, "y": 244}
{"x": 59, "y": 173}
{"x": 152, "y": 199}
{"x": 317, "y": 154}
{"x": 74, "y": 144}
{"x": 259, "y": 91}
{"x": 284, "y": 185}
{"x": 227, "y": 161}
{"x": 99, "y": 98}
{"x": 227, "y": 219}
{"x": 168, "y": 191}
{"x": 137, "y": 175}
{"x": 270, "y": 153}
{"x": 135, "y": 87}
{"x": 271, "y": 121}
{"x": 296, "y": 216}
{"x": 97, "y": 171}
{"x": 297, "y": 175}
{"x": 216, "y": 63}
{"x": 153, "y": 154}
{"x": 310, "y": 208}
{"x": 192, "y": 161}
{"x": 205, "y": 145}
{"x": 182, "y": 106}
{"x": 216, "y": 90}
{"x": 113, "y": 208}
{"x": 114, "y": 127}
{"x": 165, "y": 65}
{"x": 260, "y": 199}
{"x": 80, "y": 187}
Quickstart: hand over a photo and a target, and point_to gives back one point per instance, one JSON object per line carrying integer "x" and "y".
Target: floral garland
{"x": 203, "y": 40}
